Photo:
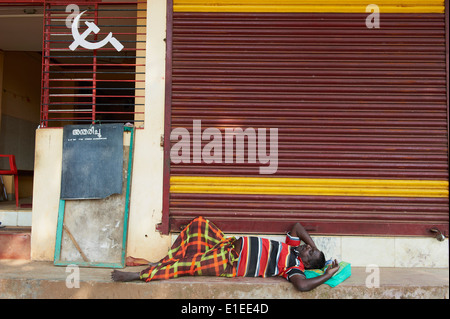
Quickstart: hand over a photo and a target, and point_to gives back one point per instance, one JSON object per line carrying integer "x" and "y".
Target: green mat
{"x": 345, "y": 271}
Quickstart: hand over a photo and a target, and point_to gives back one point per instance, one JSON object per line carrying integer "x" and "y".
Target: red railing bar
{"x": 64, "y": 3}
{"x": 98, "y": 80}
{"x": 94, "y": 81}
{"x": 118, "y": 18}
{"x": 134, "y": 96}
{"x": 70, "y": 95}
{"x": 61, "y": 18}
{"x": 45, "y": 76}
{"x": 90, "y": 111}
{"x": 89, "y": 56}
{"x": 85, "y": 119}
{"x": 85, "y": 111}
{"x": 64, "y": 42}
{"x": 56, "y": 110}
{"x": 60, "y": 127}
{"x": 109, "y": 112}
{"x": 106, "y": 4}
{"x": 100, "y": 33}
{"x": 141, "y": 81}
{"x": 64, "y": 27}
{"x": 93, "y": 88}
{"x": 102, "y": 49}
{"x": 22, "y": 3}
{"x": 70, "y": 79}
{"x": 91, "y": 64}
{"x": 89, "y": 87}
{"x": 102, "y": 72}
{"x": 67, "y": 118}
{"x": 88, "y": 17}
{"x": 89, "y": 103}
{"x": 71, "y": 103}
{"x": 71, "y": 40}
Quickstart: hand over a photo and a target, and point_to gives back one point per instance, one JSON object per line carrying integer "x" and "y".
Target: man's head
{"x": 312, "y": 258}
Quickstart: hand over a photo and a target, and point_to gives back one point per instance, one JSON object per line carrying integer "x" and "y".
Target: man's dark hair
{"x": 318, "y": 263}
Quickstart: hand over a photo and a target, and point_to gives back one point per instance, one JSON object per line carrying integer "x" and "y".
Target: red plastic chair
{"x": 12, "y": 171}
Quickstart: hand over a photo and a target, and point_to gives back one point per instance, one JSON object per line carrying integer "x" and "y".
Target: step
{"x": 10, "y": 215}
{"x": 42, "y": 280}
{"x": 15, "y": 242}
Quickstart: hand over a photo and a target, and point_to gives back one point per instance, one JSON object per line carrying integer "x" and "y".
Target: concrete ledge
{"x": 40, "y": 280}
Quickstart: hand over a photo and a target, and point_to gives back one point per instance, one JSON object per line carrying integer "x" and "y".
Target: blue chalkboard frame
{"x": 60, "y": 222}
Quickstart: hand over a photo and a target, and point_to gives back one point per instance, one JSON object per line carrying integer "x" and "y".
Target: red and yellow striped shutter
{"x": 362, "y": 114}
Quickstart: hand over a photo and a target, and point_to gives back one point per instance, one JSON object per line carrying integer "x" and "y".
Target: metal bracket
{"x": 439, "y": 236}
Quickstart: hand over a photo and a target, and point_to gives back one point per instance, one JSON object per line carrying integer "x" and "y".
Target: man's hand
{"x": 303, "y": 284}
{"x": 333, "y": 268}
{"x": 299, "y": 231}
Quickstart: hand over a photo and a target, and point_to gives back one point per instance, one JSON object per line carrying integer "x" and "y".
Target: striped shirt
{"x": 261, "y": 257}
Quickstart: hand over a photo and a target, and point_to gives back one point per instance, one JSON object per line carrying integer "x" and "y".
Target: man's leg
{"x": 194, "y": 240}
{"x": 197, "y": 238}
{"x": 117, "y": 275}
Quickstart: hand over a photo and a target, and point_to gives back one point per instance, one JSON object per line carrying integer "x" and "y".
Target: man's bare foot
{"x": 117, "y": 275}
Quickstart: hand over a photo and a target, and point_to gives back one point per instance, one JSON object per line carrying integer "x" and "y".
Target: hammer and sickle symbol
{"x": 80, "y": 39}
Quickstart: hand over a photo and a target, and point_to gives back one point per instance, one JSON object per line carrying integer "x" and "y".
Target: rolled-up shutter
{"x": 361, "y": 115}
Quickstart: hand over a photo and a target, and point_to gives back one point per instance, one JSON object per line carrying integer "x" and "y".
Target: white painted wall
{"x": 146, "y": 199}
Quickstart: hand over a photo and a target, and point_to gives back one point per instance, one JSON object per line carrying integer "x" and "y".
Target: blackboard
{"x": 96, "y": 226}
{"x": 93, "y": 232}
{"x": 92, "y": 161}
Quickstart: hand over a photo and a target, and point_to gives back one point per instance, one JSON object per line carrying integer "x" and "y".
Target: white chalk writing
{"x": 89, "y": 131}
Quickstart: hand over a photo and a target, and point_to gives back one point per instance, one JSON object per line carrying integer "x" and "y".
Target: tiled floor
{"x": 10, "y": 215}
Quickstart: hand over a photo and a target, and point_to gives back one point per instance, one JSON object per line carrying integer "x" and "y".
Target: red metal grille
{"x": 93, "y": 86}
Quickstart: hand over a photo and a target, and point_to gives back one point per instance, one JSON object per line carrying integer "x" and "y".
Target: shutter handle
{"x": 438, "y": 233}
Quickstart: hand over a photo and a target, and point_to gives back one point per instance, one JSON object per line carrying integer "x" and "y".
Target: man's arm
{"x": 303, "y": 284}
{"x": 299, "y": 231}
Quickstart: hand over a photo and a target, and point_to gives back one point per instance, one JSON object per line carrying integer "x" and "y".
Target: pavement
{"x": 25, "y": 279}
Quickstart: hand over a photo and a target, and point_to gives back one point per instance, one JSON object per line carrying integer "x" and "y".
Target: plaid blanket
{"x": 201, "y": 249}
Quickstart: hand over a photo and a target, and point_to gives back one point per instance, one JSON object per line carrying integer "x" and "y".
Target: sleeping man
{"x": 201, "y": 249}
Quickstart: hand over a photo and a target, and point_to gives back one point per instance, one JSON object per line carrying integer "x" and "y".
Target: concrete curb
{"x": 42, "y": 280}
